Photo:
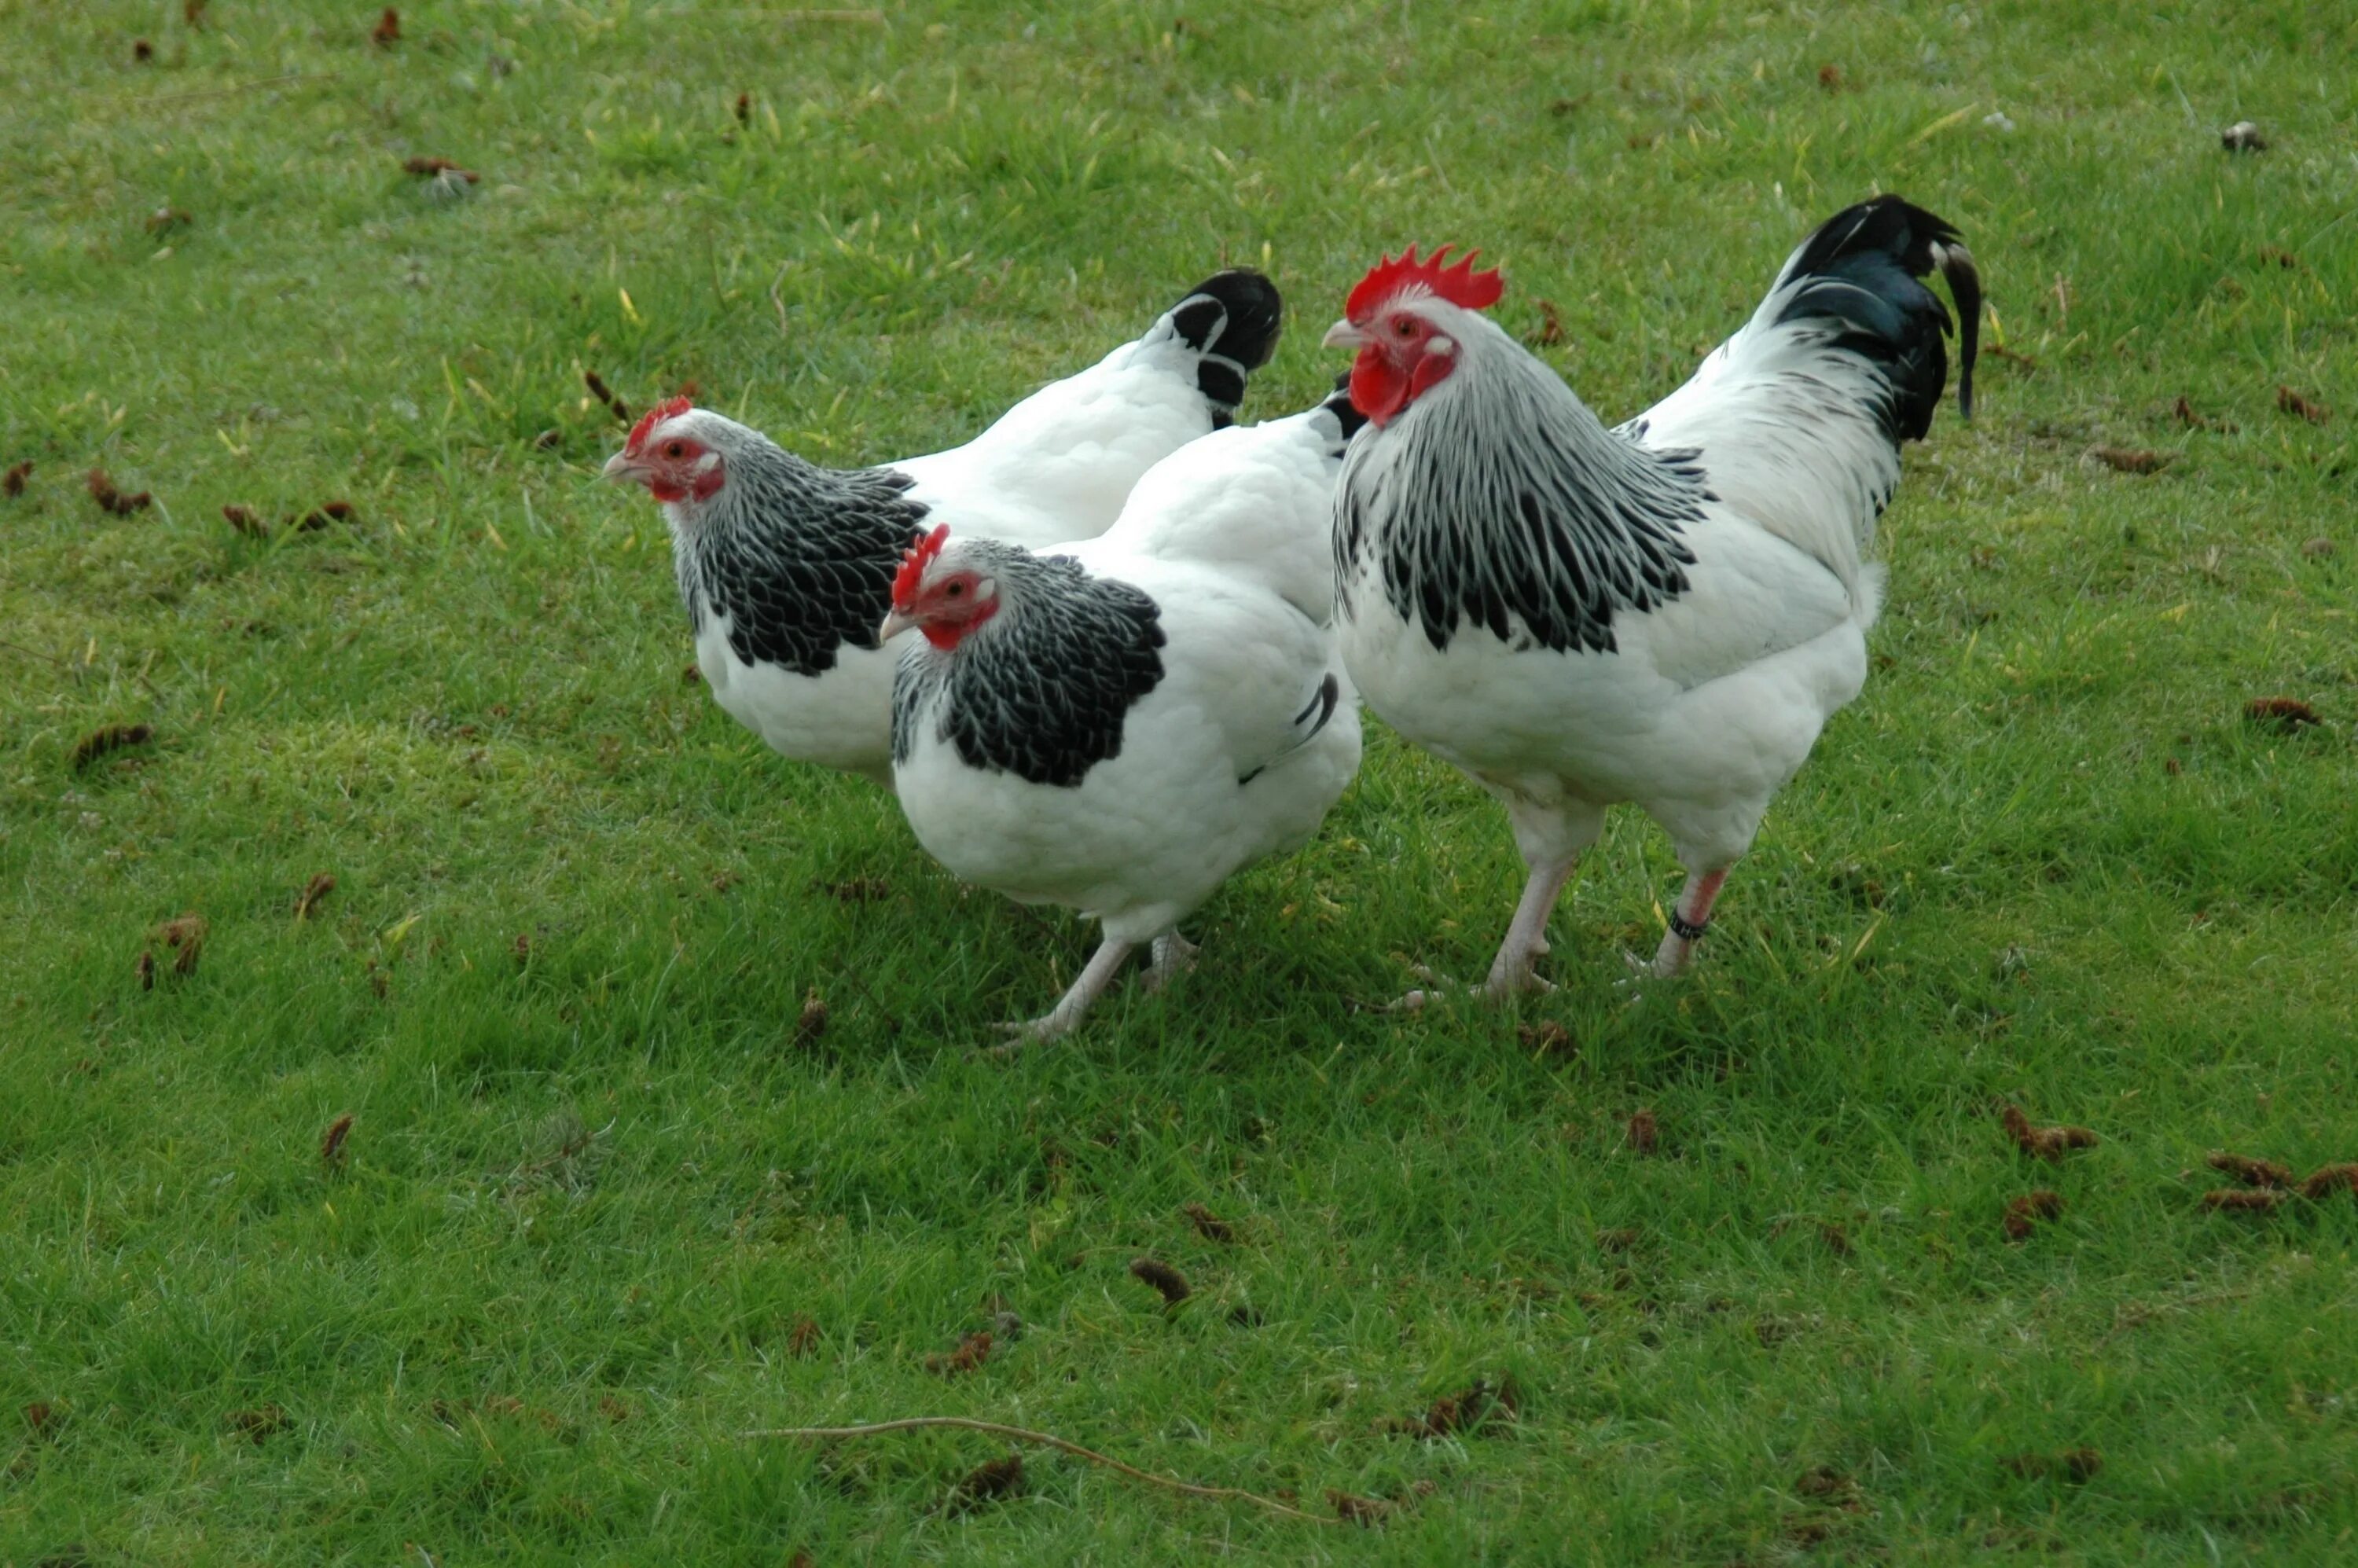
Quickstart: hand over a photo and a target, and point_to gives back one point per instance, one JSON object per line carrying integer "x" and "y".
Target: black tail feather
{"x": 1232, "y": 320}
{"x": 1863, "y": 268}
{"x": 1339, "y": 405}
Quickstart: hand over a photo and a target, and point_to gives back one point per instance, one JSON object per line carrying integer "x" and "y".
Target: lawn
{"x": 665, "y": 1121}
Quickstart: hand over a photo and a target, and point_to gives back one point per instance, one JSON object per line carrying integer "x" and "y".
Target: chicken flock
{"x": 1143, "y": 633}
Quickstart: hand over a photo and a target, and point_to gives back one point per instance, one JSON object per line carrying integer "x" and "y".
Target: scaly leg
{"x": 1173, "y": 957}
{"x": 1059, "y": 1021}
{"x": 1511, "y": 973}
{"x": 1689, "y": 917}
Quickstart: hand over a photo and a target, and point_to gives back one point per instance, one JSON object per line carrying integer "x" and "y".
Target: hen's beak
{"x": 894, "y": 624}
{"x": 621, "y": 468}
{"x": 1342, "y": 335}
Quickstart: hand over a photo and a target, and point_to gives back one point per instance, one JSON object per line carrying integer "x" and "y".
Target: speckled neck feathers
{"x": 799, "y": 558}
{"x": 1497, "y": 500}
{"x": 1043, "y": 689}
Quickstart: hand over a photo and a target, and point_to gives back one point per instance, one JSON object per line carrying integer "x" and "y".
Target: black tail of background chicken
{"x": 1339, "y": 405}
{"x": 1231, "y": 320}
{"x": 1880, "y": 250}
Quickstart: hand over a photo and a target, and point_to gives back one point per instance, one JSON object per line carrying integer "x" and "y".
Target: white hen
{"x": 786, "y": 568}
{"x": 1120, "y": 726}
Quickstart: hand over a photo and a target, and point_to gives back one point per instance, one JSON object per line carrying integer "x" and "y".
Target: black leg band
{"x": 1682, "y": 927}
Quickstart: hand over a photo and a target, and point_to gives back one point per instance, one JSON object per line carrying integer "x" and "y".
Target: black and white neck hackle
{"x": 1043, "y": 689}
{"x": 1474, "y": 524}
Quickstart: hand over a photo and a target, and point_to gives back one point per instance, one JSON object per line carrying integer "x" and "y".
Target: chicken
{"x": 786, "y": 568}
{"x": 1120, "y": 726}
{"x": 1666, "y": 613}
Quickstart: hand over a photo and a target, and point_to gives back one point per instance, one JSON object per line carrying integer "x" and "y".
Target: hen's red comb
{"x": 1460, "y": 285}
{"x": 652, "y": 418}
{"x": 913, "y": 565}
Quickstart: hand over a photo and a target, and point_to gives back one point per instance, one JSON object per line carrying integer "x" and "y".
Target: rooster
{"x": 1667, "y": 612}
{"x": 1120, "y": 726}
{"x": 786, "y": 568}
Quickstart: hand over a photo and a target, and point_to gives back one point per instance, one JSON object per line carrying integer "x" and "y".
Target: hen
{"x": 786, "y": 568}
{"x": 1665, "y": 613}
{"x": 1120, "y": 726}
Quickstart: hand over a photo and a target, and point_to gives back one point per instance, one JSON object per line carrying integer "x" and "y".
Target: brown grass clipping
{"x": 141, "y": 50}
{"x": 1465, "y": 1413}
{"x": 1369, "y": 1512}
{"x": 1547, "y": 1038}
{"x": 428, "y": 168}
{"x": 315, "y": 890}
{"x": 193, "y": 12}
{"x": 812, "y": 1022}
{"x": 744, "y": 108}
{"x": 2023, "y": 1212}
{"x": 1168, "y": 1280}
{"x": 2047, "y": 1143}
{"x": 988, "y": 1483}
{"x": 2329, "y": 1180}
{"x": 2242, "y": 1200}
{"x": 260, "y": 1423}
{"x": 145, "y": 969}
{"x": 971, "y": 1353}
{"x": 2292, "y": 402}
{"x": 2132, "y": 459}
{"x": 12, "y": 483}
{"x": 2073, "y": 1464}
{"x": 802, "y": 1340}
{"x": 111, "y": 499}
{"x": 185, "y": 937}
{"x": 1209, "y": 1225}
{"x": 387, "y": 31}
{"x": 2285, "y": 715}
{"x": 108, "y": 740}
{"x": 605, "y": 394}
{"x": 246, "y": 521}
{"x": 2250, "y": 1172}
{"x": 1643, "y": 1135}
{"x": 331, "y": 1142}
{"x": 319, "y": 518}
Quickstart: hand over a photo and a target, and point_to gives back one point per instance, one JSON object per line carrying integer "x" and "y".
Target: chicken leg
{"x": 1173, "y": 957}
{"x": 1059, "y": 1021}
{"x": 1689, "y": 917}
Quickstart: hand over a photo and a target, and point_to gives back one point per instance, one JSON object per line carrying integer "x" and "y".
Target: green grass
{"x": 587, "y": 1196}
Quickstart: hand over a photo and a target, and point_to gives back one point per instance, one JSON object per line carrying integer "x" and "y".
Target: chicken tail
{"x": 1855, "y": 285}
{"x": 1798, "y": 419}
{"x": 1231, "y": 320}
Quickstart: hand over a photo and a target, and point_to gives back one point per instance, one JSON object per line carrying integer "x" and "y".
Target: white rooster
{"x": 1120, "y": 725}
{"x": 786, "y": 568}
{"x": 1666, "y": 613}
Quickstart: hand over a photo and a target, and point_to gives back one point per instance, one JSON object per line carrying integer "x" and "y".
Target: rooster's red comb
{"x": 913, "y": 565}
{"x": 1460, "y": 285}
{"x": 652, "y": 418}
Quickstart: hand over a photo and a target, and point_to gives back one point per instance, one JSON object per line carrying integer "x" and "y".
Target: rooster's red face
{"x": 1398, "y": 319}
{"x": 1402, "y": 356}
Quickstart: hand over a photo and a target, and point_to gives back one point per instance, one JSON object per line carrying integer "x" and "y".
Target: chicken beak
{"x": 1342, "y": 335}
{"x": 620, "y": 467}
{"x": 894, "y": 624}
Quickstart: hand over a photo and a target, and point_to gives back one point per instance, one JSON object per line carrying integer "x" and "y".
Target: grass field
{"x": 606, "y": 1202}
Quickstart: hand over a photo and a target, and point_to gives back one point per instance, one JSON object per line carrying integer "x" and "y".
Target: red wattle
{"x": 1378, "y": 390}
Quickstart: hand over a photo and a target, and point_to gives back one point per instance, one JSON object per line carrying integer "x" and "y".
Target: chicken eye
{"x": 955, "y": 590}
{"x": 1404, "y": 329}
{"x": 674, "y": 449}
